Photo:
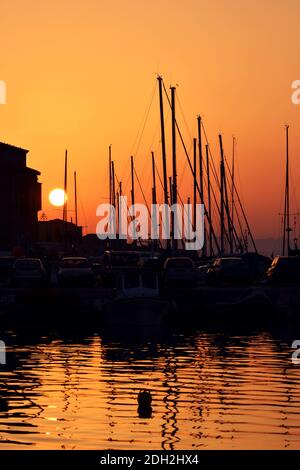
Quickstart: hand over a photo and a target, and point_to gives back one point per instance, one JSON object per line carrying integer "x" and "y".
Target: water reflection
{"x": 209, "y": 390}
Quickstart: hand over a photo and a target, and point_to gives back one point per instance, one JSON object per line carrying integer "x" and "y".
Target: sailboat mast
{"x": 163, "y": 139}
{"x": 195, "y": 182}
{"x": 232, "y": 180}
{"x": 113, "y": 194}
{"x": 65, "y": 216}
{"x": 132, "y": 189}
{"x": 170, "y": 189}
{"x": 120, "y": 206}
{"x": 199, "y": 122}
{"x": 209, "y": 198}
{"x": 286, "y": 222}
{"x": 132, "y": 180}
{"x": 153, "y": 179}
{"x": 199, "y": 125}
{"x": 174, "y": 162}
{"x": 155, "y": 243}
{"x": 287, "y": 191}
{"x": 75, "y": 188}
{"x": 110, "y": 175}
{"x": 221, "y": 194}
{"x": 226, "y": 207}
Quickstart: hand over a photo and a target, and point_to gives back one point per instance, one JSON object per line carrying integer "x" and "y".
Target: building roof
{"x": 14, "y": 157}
{"x": 58, "y": 222}
{"x": 13, "y": 148}
{"x": 33, "y": 171}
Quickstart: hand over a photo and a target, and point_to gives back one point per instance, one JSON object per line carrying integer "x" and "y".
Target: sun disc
{"x": 58, "y": 197}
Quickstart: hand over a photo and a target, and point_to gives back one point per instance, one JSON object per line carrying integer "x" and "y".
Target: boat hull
{"x": 145, "y": 311}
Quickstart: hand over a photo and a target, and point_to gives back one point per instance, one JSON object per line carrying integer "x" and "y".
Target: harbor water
{"x": 210, "y": 390}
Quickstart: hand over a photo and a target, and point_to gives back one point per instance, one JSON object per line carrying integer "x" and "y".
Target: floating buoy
{"x": 144, "y": 398}
{"x": 144, "y": 401}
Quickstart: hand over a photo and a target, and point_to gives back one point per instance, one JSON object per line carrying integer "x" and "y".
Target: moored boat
{"x": 136, "y": 302}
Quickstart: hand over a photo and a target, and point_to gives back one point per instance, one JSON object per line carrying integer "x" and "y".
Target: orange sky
{"x": 80, "y": 75}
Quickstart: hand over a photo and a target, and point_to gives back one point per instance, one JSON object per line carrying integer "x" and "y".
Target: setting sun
{"x": 58, "y": 197}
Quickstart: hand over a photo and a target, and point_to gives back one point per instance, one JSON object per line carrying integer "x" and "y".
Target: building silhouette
{"x": 58, "y": 236}
{"x": 20, "y": 199}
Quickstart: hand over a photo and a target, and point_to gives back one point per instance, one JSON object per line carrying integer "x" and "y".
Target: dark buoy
{"x": 144, "y": 398}
{"x": 144, "y": 401}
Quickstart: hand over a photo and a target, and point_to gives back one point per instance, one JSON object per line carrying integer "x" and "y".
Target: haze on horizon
{"x": 80, "y": 75}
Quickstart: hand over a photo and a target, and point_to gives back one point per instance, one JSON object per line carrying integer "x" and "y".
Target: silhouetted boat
{"x": 137, "y": 301}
